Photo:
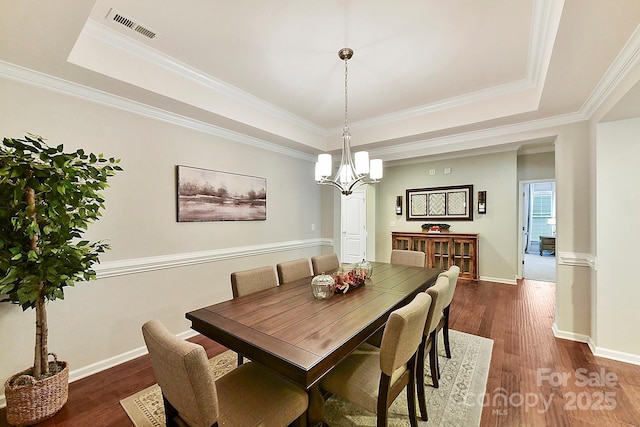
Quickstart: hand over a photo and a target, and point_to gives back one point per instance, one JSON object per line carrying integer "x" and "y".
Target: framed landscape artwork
{"x": 440, "y": 203}
{"x": 209, "y": 195}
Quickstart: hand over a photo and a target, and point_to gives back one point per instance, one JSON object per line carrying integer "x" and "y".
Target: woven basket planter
{"x": 30, "y": 401}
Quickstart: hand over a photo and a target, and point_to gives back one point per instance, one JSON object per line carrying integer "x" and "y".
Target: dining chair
{"x": 372, "y": 377}
{"x": 324, "y": 263}
{"x": 249, "y": 395}
{"x": 410, "y": 258}
{"x": 452, "y": 273}
{"x": 246, "y": 282}
{"x": 429, "y": 343}
{"x": 290, "y": 271}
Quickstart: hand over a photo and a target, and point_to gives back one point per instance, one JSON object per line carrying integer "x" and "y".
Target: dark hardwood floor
{"x": 535, "y": 379}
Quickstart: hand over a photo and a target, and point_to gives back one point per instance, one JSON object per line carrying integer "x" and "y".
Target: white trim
{"x": 626, "y": 60}
{"x": 35, "y": 78}
{"x": 146, "y": 264}
{"x": 499, "y": 280}
{"x": 571, "y": 336}
{"x": 620, "y": 356}
{"x": 122, "y": 42}
{"x": 617, "y": 355}
{"x": 489, "y": 133}
{"x": 576, "y": 259}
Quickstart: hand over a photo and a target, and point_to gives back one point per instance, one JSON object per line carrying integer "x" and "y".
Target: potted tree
{"x": 47, "y": 199}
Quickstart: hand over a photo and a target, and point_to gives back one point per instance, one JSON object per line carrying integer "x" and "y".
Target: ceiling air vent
{"x": 121, "y": 19}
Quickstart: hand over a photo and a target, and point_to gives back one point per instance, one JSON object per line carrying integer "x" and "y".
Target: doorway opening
{"x": 538, "y": 224}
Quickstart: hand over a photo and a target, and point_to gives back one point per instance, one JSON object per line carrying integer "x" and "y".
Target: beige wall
{"x": 617, "y": 314}
{"x": 574, "y": 213}
{"x": 101, "y": 320}
{"x": 536, "y": 166}
{"x": 495, "y": 174}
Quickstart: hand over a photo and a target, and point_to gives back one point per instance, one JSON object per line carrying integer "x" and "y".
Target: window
{"x": 543, "y": 210}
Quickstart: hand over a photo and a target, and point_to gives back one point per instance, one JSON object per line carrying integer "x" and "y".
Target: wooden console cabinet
{"x": 443, "y": 250}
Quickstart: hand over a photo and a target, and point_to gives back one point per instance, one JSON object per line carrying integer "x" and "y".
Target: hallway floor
{"x": 537, "y": 267}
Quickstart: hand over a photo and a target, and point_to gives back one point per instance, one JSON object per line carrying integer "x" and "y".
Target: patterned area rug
{"x": 458, "y": 401}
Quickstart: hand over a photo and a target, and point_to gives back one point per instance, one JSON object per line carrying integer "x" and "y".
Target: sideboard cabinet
{"x": 442, "y": 250}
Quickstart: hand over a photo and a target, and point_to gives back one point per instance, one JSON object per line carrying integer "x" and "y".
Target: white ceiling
{"x": 423, "y": 72}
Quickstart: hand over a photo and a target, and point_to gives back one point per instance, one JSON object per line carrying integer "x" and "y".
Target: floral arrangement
{"x": 435, "y": 228}
{"x": 348, "y": 279}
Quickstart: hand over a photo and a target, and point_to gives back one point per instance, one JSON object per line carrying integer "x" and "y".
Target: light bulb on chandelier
{"x": 353, "y": 170}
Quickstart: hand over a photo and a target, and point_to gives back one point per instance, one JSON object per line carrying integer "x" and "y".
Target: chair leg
{"x": 433, "y": 360}
{"x": 301, "y": 421}
{"x": 382, "y": 407}
{"x": 240, "y": 359}
{"x": 169, "y": 413}
{"x": 422, "y": 398}
{"x": 445, "y": 333}
{"x": 411, "y": 398}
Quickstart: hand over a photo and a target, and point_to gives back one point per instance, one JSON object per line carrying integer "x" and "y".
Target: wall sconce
{"x": 399, "y": 205}
{"x": 482, "y": 202}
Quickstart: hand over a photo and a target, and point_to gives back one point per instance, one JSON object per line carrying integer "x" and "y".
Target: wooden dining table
{"x": 288, "y": 330}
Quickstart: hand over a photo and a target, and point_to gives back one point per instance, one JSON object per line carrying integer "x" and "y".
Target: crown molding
{"x": 627, "y": 59}
{"x": 494, "y": 132}
{"x": 544, "y": 29}
{"x": 45, "y": 81}
{"x": 544, "y": 26}
{"x": 122, "y": 42}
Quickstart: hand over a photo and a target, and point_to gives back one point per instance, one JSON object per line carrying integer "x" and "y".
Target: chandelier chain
{"x": 346, "y": 127}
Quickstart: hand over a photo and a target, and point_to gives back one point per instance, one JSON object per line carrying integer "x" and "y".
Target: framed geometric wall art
{"x": 209, "y": 195}
{"x": 453, "y": 203}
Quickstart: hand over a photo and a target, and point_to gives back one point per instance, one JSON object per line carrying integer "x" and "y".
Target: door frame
{"x": 522, "y": 221}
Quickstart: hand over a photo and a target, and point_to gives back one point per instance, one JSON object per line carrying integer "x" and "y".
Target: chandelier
{"x": 353, "y": 171}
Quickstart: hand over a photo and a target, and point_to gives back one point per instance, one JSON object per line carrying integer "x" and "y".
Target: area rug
{"x": 457, "y": 402}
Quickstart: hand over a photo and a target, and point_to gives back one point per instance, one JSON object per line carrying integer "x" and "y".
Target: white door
{"x": 354, "y": 227}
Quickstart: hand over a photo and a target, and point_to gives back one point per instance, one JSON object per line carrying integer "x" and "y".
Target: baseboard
{"x": 572, "y": 336}
{"x": 78, "y": 374}
{"x": 498, "y": 280}
{"x": 620, "y": 356}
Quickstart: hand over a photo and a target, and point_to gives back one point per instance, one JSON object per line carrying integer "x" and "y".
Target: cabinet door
{"x": 439, "y": 252}
{"x": 401, "y": 242}
{"x": 464, "y": 256}
{"x": 420, "y": 244}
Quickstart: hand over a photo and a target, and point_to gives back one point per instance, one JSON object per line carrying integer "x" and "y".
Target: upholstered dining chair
{"x": 452, "y": 273}
{"x": 253, "y": 280}
{"x": 246, "y": 282}
{"x": 290, "y": 271}
{"x": 324, "y": 263}
{"x": 429, "y": 344}
{"x": 249, "y": 395}
{"x": 410, "y": 258}
{"x": 372, "y": 377}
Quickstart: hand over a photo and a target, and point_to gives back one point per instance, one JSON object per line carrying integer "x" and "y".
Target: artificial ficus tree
{"x": 47, "y": 200}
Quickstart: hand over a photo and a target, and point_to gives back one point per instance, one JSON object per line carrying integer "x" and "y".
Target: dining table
{"x": 288, "y": 330}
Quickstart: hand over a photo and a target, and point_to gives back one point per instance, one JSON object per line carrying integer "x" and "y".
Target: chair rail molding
{"x": 146, "y": 264}
{"x": 578, "y": 260}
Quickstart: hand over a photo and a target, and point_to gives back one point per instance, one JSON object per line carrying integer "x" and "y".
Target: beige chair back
{"x": 324, "y": 263}
{"x": 452, "y": 274}
{"x": 183, "y": 373}
{"x": 290, "y": 271}
{"x": 256, "y": 279}
{"x": 410, "y": 258}
{"x": 438, "y": 293}
{"x": 403, "y": 333}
